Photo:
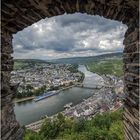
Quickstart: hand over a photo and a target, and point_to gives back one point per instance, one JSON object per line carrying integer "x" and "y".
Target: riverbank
{"x": 68, "y": 87}
{"x": 31, "y": 91}
{"x": 87, "y": 67}
{"x": 88, "y": 108}
{"x": 32, "y": 97}
{"x": 31, "y": 111}
{"x": 104, "y": 100}
{"x": 23, "y": 99}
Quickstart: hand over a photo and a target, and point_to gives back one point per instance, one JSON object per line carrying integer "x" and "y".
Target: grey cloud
{"x": 60, "y": 46}
{"x": 71, "y": 34}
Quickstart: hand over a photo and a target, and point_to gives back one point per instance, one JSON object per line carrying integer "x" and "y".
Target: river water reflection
{"x": 30, "y": 111}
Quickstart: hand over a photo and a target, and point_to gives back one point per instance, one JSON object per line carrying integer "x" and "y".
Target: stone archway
{"x": 16, "y": 15}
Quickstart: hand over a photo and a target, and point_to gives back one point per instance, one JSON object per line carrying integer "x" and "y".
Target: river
{"x": 30, "y": 111}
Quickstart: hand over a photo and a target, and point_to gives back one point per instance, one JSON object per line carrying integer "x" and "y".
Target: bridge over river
{"x": 35, "y": 126}
{"x": 99, "y": 86}
{"x": 30, "y": 111}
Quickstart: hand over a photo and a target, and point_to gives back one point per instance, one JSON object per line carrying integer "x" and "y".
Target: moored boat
{"x": 68, "y": 105}
{"x": 46, "y": 95}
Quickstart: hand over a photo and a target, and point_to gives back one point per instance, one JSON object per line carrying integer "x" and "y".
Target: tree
{"x": 79, "y": 125}
{"x": 28, "y": 91}
{"x": 116, "y": 129}
{"x": 102, "y": 127}
{"x": 61, "y": 117}
{"x": 49, "y": 129}
{"x": 61, "y": 121}
{"x": 97, "y": 133}
{"x": 102, "y": 121}
{"x": 30, "y": 135}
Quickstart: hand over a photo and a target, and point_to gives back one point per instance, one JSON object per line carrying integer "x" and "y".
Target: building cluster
{"x": 49, "y": 75}
{"x": 104, "y": 100}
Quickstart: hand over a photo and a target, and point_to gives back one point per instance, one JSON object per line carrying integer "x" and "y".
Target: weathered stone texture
{"x": 10, "y": 126}
{"x": 131, "y": 81}
{"x": 28, "y": 12}
{"x": 16, "y": 15}
{"x": 131, "y": 36}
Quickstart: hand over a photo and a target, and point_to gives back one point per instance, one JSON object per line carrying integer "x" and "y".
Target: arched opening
{"x": 26, "y": 13}
{"x": 72, "y": 33}
{"x": 77, "y": 39}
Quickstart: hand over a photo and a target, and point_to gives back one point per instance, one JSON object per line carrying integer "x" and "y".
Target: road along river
{"x": 30, "y": 111}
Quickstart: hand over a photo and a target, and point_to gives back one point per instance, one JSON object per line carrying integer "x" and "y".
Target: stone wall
{"x": 16, "y": 15}
{"x": 131, "y": 80}
{"x": 10, "y": 127}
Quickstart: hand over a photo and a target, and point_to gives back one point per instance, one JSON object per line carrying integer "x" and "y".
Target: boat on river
{"x": 46, "y": 95}
{"x": 68, "y": 105}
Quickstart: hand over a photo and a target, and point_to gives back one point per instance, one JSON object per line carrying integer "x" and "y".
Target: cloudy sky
{"x": 69, "y": 36}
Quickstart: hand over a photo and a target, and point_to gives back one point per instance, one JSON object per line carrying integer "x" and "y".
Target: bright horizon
{"x": 70, "y": 57}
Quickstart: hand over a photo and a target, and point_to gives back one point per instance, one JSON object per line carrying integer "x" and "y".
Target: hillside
{"x": 102, "y": 64}
{"x": 85, "y": 60}
{"x": 112, "y": 66}
{"x": 26, "y": 63}
{"x": 108, "y": 126}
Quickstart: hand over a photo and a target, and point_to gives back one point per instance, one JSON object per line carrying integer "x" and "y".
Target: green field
{"x": 108, "y": 66}
{"x": 19, "y": 65}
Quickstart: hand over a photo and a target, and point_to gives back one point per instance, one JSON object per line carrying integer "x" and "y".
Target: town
{"x": 47, "y": 76}
{"x": 104, "y": 100}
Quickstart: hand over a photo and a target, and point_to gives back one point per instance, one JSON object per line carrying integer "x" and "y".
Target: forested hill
{"x": 26, "y": 63}
{"x": 84, "y": 60}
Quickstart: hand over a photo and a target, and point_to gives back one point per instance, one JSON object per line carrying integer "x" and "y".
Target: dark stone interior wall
{"x": 16, "y": 15}
{"x": 10, "y": 129}
{"x": 131, "y": 81}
